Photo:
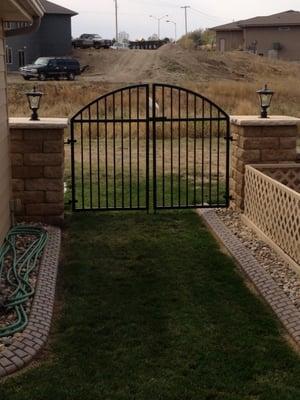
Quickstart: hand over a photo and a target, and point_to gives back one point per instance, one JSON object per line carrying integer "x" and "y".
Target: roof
{"x": 52, "y": 8}
{"x": 233, "y": 26}
{"x": 20, "y": 10}
{"x": 285, "y": 18}
{"x": 290, "y": 17}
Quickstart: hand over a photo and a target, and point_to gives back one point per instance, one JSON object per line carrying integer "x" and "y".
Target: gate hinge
{"x": 71, "y": 202}
{"x": 229, "y": 197}
{"x": 70, "y": 141}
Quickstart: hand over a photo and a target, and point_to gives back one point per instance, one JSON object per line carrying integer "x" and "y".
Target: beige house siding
{"x": 288, "y": 37}
{"x": 233, "y": 40}
{"x": 5, "y": 172}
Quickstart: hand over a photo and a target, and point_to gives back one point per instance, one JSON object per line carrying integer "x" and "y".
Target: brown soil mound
{"x": 173, "y": 64}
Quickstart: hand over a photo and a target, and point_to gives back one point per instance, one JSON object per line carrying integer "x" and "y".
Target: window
{"x": 15, "y": 25}
{"x": 21, "y": 58}
{"x": 52, "y": 63}
{"x": 7, "y": 25}
{"x": 9, "y": 55}
{"x": 22, "y": 24}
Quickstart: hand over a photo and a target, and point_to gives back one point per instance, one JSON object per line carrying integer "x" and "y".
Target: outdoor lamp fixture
{"x": 265, "y": 96}
{"x": 34, "y": 100}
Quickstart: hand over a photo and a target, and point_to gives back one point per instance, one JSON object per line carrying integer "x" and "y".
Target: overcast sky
{"x": 97, "y": 16}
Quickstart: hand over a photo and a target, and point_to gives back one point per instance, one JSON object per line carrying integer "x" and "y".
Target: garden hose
{"x": 17, "y": 275}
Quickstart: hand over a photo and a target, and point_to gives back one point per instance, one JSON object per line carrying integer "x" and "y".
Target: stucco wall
{"x": 233, "y": 40}
{"x": 265, "y": 37}
{"x": 53, "y": 39}
{"x": 5, "y": 180}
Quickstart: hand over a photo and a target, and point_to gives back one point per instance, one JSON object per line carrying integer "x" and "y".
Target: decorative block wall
{"x": 37, "y": 158}
{"x": 257, "y": 141}
{"x": 273, "y": 207}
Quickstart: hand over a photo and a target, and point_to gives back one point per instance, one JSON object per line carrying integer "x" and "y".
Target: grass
{"x": 154, "y": 310}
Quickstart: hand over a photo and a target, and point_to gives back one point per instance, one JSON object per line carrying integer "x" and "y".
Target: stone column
{"x": 37, "y": 158}
{"x": 260, "y": 141}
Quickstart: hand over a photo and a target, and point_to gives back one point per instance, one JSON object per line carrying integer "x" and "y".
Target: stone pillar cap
{"x": 43, "y": 123}
{"x": 255, "y": 120}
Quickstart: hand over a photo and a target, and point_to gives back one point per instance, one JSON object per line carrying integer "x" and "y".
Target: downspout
{"x": 36, "y": 22}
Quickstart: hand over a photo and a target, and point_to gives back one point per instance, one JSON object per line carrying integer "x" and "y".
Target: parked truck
{"x": 88, "y": 40}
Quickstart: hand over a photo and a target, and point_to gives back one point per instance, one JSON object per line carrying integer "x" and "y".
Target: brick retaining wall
{"x": 258, "y": 141}
{"x": 37, "y": 157}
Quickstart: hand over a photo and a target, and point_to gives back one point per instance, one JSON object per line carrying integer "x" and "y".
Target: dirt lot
{"x": 172, "y": 63}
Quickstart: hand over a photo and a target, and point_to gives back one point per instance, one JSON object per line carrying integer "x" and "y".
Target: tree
{"x": 208, "y": 37}
{"x": 153, "y": 37}
{"x": 198, "y": 38}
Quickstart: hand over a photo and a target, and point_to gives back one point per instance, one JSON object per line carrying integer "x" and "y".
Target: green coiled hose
{"x": 18, "y": 273}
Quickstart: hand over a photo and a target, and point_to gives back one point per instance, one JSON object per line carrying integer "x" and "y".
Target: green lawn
{"x": 153, "y": 310}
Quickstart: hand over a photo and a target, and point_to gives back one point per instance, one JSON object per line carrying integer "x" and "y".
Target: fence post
{"x": 37, "y": 158}
{"x": 257, "y": 141}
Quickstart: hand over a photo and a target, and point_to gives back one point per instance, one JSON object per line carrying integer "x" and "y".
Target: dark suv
{"x": 51, "y": 67}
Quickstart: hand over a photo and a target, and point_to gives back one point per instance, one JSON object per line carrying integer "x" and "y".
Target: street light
{"x": 265, "y": 96}
{"x": 34, "y": 100}
{"x": 158, "y": 21}
{"x": 175, "y": 25}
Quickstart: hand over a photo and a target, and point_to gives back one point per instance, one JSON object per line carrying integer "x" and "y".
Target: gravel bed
{"x": 8, "y": 316}
{"x": 286, "y": 278}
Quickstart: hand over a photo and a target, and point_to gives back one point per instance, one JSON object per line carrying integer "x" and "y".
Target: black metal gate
{"x": 114, "y": 167}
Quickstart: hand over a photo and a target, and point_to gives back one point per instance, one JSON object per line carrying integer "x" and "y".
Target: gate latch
{"x": 70, "y": 141}
{"x": 230, "y": 138}
{"x": 161, "y": 119}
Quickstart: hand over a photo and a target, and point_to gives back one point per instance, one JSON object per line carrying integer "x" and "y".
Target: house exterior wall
{"x": 5, "y": 170}
{"x": 53, "y": 38}
{"x": 234, "y": 40}
{"x": 288, "y": 37}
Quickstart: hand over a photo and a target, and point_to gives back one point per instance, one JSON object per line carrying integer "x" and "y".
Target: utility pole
{"x": 117, "y": 28}
{"x": 158, "y": 22}
{"x": 186, "y": 22}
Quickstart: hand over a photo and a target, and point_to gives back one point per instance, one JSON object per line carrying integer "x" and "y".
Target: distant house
{"x": 276, "y": 36}
{"x": 53, "y": 38}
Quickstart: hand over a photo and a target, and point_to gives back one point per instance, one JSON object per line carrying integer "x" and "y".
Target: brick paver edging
{"x": 33, "y": 338}
{"x": 283, "y": 307}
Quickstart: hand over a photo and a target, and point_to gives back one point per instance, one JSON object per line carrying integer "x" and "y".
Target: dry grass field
{"x": 230, "y": 80}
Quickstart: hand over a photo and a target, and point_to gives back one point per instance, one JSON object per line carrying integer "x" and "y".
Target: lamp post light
{"x": 34, "y": 100}
{"x": 158, "y": 22}
{"x": 175, "y": 25}
{"x": 265, "y": 96}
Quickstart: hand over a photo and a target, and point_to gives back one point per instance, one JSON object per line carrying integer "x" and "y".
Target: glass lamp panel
{"x": 266, "y": 100}
{"x": 35, "y": 101}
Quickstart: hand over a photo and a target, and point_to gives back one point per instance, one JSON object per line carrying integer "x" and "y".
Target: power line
{"x": 206, "y": 15}
{"x": 158, "y": 20}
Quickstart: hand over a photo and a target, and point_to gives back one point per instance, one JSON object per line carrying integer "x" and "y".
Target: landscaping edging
{"x": 283, "y": 307}
{"x": 33, "y": 338}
